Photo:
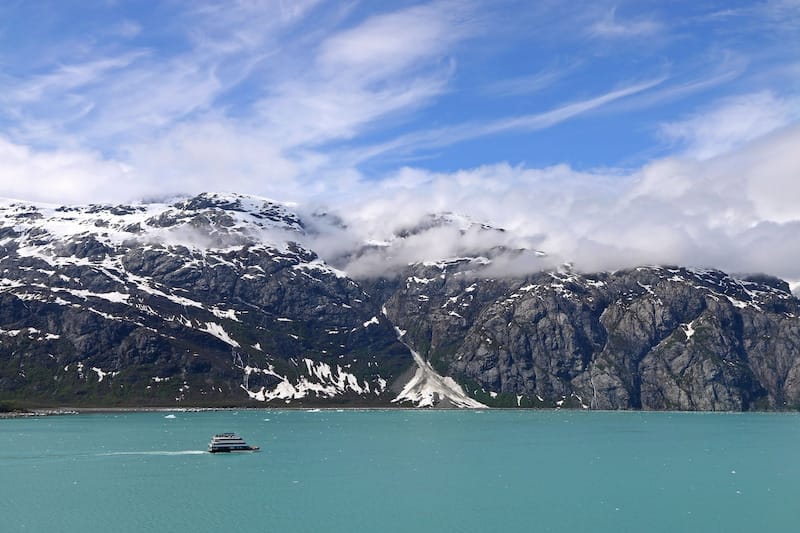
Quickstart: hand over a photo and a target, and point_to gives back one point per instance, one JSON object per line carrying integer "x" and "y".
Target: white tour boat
{"x": 229, "y": 442}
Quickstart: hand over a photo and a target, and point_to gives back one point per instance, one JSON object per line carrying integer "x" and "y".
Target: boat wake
{"x": 165, "y": 452}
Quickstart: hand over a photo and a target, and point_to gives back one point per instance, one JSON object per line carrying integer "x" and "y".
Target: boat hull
{"x": 231, "y": 450}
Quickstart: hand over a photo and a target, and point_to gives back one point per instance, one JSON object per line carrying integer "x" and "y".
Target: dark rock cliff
{"x": 648, "y": 338}
{"x": 214, "y": 301}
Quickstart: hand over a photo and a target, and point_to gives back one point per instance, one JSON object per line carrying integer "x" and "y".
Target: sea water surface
{"x": 402, "y": 471}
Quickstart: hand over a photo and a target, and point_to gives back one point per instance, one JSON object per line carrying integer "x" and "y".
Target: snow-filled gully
{"x": 427, "y": 387}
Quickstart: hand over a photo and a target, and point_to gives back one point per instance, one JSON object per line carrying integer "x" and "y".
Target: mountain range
{"x": 229, "y": 300}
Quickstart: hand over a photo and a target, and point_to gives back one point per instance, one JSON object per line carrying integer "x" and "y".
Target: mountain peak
{"x": 205, "y": 221}
{"x": 223, "y": 298}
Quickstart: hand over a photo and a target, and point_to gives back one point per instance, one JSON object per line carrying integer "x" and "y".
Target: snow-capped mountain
{"x": 221, "y": 299}
{"x": 207, "y": 300}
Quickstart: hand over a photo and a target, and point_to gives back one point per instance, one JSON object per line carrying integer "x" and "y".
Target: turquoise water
{"x": 404, "y": 471}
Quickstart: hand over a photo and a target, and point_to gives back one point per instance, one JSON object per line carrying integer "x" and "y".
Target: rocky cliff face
{"x": 205, "y": 301}
{"x": 649, "y": 338}
{"x": 214, "y": 300}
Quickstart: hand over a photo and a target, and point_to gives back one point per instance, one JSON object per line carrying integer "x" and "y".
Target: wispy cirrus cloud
{"x": 386, "y": 45}
{"x": 295, "y": 100}
{"x": 388, "y": 63}
{"x": 165, "y": 117}
{"x": 612, "y": 26}
{"x": 731, "y": 123}
{"x": 113, "y": 96}
{"x": 127, "y": 29}
{"x": 67, "y": 78}
{"x": 708, "y": 74}
{"x": 437, "y": 138}
{"x": 525, "y": 85}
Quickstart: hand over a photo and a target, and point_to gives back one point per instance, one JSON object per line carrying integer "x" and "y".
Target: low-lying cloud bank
{"x": 739, "y": 212}
{"x": 293, "y": 100}
{"x": 736, "y": 207}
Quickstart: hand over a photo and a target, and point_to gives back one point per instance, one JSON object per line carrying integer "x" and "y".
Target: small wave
{"x": 165, "y": 452}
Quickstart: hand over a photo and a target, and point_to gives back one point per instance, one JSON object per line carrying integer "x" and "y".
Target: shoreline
{"x": 65, "y": 411}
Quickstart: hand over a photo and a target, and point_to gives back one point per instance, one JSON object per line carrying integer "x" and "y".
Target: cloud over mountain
{"x": 383, "y": 116}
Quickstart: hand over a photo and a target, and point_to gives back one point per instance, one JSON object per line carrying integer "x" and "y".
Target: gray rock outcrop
{"x": 215, "y": 300}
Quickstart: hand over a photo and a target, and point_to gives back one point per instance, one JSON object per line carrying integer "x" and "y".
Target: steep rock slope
{"x": 207, "y": 300}
{"x": 651, "y": 338}
{"x": 215, "y": 300}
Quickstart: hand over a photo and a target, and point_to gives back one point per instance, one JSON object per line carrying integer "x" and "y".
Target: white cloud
{"x": 98, "y": 98}
{"x": 610, "y": 26}
{"x": 737, "y": 212}
{"x": 446, "y": 136}
{"x": 725, "y": 198}
{"x": 385, "y": 45}
{"x": 60, "y": 176}
{"x": 386, "y": 64}
{"x": 159, "y": 111}
{"x": 528, "y": 84}
{"x": 711, "y": 72}
{"x": 65, "y": 78}
{"x": 213, "y": 154}
{"x": 110, "y": 100}
{"x": 127, "y": 29}
{"x": 731, "y": 123}
{"x": 313, "y": 112}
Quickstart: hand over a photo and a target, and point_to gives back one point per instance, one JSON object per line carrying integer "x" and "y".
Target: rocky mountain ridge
{"x": 216, "y": 300}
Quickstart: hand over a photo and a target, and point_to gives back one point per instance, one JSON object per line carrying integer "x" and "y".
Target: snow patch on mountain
{"x": 208, "y": 221}
{"x": 688, "y": 329}
{"x": 101, "y": 374}
{"x": 316, "y": 379}
{"x": 427, "y": 388}
{"x": 219, "y": 332}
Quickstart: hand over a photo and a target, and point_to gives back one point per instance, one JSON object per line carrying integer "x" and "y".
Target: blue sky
{"x": 576, "y": 108}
